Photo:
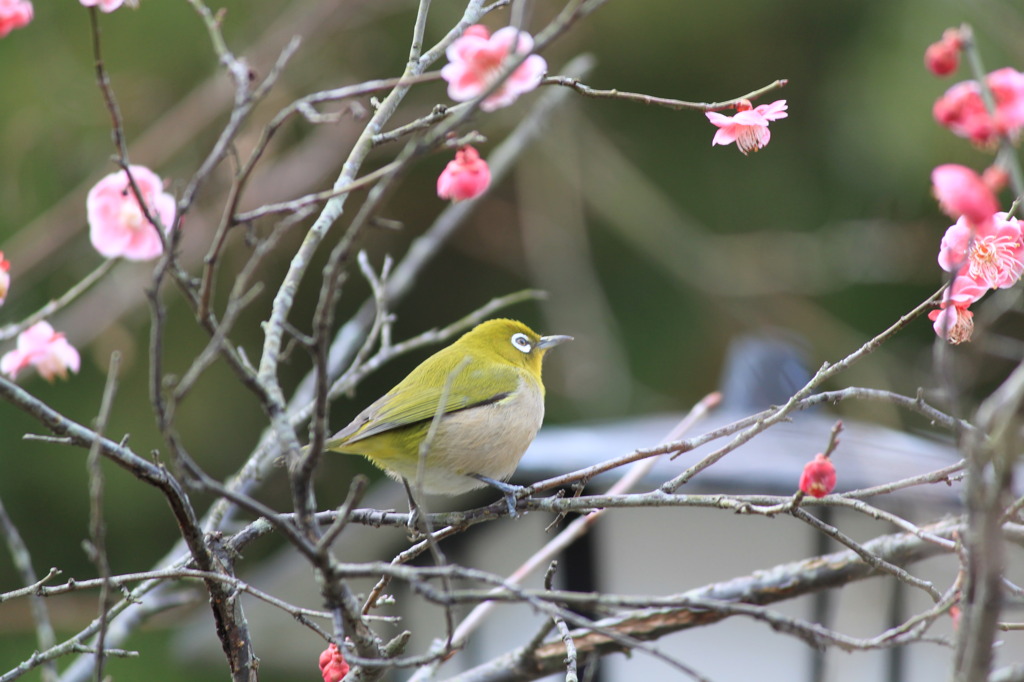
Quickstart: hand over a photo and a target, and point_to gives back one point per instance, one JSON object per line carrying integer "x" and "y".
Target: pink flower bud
{"x": 943, "y": 57}
{"x": 819, "y": 476}
{"x": 332, "y": 664}
{"x": 961, "y": 192}
{"x": 465, "y": 177}
{"x": 5, "y": 277}
{"x": 14, "y": 14}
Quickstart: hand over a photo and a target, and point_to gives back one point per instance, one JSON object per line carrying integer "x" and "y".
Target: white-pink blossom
{"x": 953, "y": 320}
{"x": 749, "y": 127}
{"x": 477, "y": 59}
{"x": 991, "y": 254}
{"x": 41, "y": 347}
{"x": 953, "y": 323}
{"x": 118, "y": 227}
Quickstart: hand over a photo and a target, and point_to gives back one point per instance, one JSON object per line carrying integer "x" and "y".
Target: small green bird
{"x": 490, "y": 382}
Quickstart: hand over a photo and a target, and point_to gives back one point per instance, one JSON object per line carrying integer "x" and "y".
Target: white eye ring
{"x": 521, "y": 342}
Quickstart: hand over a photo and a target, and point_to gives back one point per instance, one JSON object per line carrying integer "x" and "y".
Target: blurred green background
{"x": 655, "y": 248}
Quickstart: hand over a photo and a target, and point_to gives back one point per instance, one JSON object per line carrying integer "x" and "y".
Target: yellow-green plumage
{"x": 490, "y": 380}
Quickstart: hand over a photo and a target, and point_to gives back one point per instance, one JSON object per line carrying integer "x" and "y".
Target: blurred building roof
{"x": 759, "y": 371}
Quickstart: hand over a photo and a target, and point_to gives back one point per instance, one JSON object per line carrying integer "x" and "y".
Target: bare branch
{"x": 45, "y": 636}
{"x": 674, "y": 104}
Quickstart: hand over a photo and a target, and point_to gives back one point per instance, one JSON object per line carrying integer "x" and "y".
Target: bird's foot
{"x": 511, "y": 492}
{"x": 416, "y": 526}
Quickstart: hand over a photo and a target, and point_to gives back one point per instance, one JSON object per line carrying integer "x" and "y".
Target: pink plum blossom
{"x": 464, "y": 177}
{"x": 962, "y": 110}
{"x": 991, "y": 254}
{"x": 749, "y": 127}
{"x": 14, "y": 14}
{"x": 963, "y": 291}
{"x": 104, "y": 5}
{"x": 48, "y": 351}
{"x": 117, "y": 224}
{"x": 962, "y": 192}
{"x": 953, "y": 323}
{"x": 5, "y": 277}
{"x": 476, "y": 60}
{"x": 953, "y": 320}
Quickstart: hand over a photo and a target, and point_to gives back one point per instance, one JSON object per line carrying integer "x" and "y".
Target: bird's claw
{"x": 510, "y": 501}
{"x": 510, "y": 492}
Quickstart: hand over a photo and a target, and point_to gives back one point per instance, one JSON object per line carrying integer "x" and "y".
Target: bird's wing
{"x": 420, "y": 404}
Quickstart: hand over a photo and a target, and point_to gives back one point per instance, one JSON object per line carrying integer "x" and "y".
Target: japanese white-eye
{"x": 493, "y": 405}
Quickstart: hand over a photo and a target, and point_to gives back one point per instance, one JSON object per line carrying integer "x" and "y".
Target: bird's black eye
{"x": 522, "y": 343}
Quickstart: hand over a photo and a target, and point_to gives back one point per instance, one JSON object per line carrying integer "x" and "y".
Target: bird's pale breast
{"x": 487, "y": 440}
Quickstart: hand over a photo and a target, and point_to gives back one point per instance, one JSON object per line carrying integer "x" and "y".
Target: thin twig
{"x": 674, "y": 104}
{"x": 97, "y": 527}
{"x": 781, "y": 413}
{"x": 22, "y": 558}
{"x": 9, "y": 331}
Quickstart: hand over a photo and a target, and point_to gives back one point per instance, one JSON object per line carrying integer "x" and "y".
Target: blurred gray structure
{"x": 760, "y": 371}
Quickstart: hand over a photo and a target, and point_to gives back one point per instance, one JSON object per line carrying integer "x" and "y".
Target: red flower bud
{"x": 332, "y": 664}
{"x": 943, "y": 57}
{"x": 819, "y": 477}
{"x": 465, "y": 177}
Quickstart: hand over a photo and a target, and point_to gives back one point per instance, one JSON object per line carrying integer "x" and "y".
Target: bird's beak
{"x": 552, "y": 341}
